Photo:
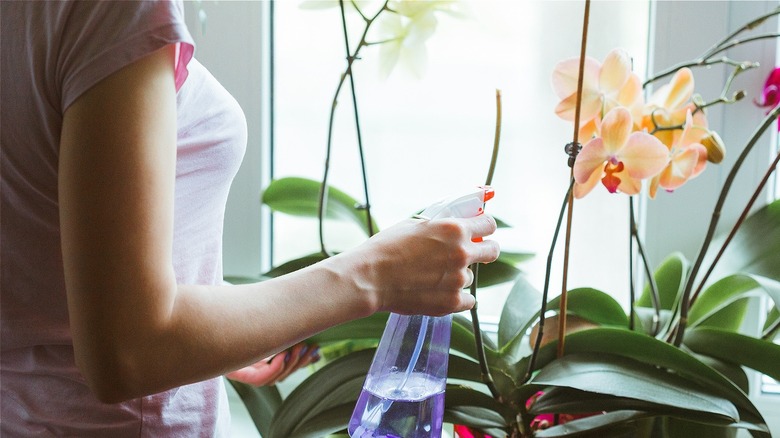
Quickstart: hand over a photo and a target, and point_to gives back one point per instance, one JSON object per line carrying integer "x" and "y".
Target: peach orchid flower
{"x": 668, "y": 106}
{"x": 619, "y": 158}
{"x": 687, "y": 158}
{"x": 604, "y": 87}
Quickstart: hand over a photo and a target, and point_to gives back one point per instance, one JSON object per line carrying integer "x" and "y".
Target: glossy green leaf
{"x": 771, "y": 326}
{"x": 609, "y": 382}
{"x": 593, "y": 305}
{"x": 497, "y": 272}
{"x": 597, "y": 425}
{"x": 649, "y": 350}
{"x": 731, "y": 371}
{"x": 370, "y": 327}
{"x": 337, "y": 383}
{"x": 515, "y": 258}
{"x": 460, "y": 395}
{"x": 763, "y": 356}
{"x": 669, "y": 277}
{"x": 754, "y": 249}
{"x": 521, "y": 309}
{"x": 300, "y": 197}
{"x": 463, "y": 369}
{"x": 471, "y": 408}
{"x": 646, "y": 317}
{"x": 723, "y": 304}
{"x": 261, "y": 403}
{"x": 331, "y": 420}
{"x": 462, "y": 339}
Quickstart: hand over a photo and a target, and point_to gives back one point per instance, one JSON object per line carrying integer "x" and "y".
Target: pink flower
{"x": 687, "y": 158}
{"x": 619, "y": 158}
{"x": 771, "y": 93}
{"x": 467, "y": 432}
{"x": 605, "y": 86}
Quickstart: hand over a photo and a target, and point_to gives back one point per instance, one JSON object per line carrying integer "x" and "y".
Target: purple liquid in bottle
{"x": 384, "y": 411}
{"x": 403, "y": 395}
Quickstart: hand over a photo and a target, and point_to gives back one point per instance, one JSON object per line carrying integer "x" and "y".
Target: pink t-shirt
{"x": 52, "y": 52}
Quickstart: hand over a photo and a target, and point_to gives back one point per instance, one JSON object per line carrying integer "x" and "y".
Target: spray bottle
{"x": 403, "y": 394}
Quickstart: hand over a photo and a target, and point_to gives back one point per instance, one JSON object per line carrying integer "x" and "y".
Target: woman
{"x": 118, "y": 150}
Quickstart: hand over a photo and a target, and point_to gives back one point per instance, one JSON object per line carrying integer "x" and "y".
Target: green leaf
{"x": 754, "y": 249}
{"x": 462, "y": 339}
{"x": 300, "y": 197}
{"x": 771, "y": 329}
{"x": 294, "y": 265}
{"x": 515, "y": 258}
{"x": 521, "y": 309}
{"x": 337, "y": 383}
{"x": 723, "y": 304}
{"x": 669, "y": 277}
{"x": 261, "y": 403}
{"x": 763, "y": 356}
{"x": 461, "y": 396}
{"x": 463, "y": 369}
{"x": 593, "y": 305}
{"x": 601, "y": 424}
{"x": 497, "y": 272}
{"x": 331, "y": 420}
{"x": 651, "y": 351}
{"x": 370, "y": 327}
{"x": 621, "y": 383}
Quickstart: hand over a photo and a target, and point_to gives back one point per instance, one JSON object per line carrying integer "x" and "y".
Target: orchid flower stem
{"x": 685, "y": 301}
{"x": 487, "y": 379}
{"x": 706, "y": 59}
{"x": 496, "y": 140}
{"x": 545, "y": 291}
{"x": 648, "y": 273}
{"x": 351, "y": 57}
{"x": 736, "y": 226}
{"x": 756, "y": 22}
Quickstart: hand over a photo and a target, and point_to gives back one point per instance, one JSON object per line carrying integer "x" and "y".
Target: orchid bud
{"x": 716, "y": 150}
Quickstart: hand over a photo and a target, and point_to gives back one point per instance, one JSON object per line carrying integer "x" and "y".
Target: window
{"x": 430, "y": 137}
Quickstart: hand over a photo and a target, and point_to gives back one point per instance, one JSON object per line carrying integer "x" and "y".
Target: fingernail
{"x": 315, "y": 352}
{"x": 303, "y": 351}
{"x": 287, "y": 357}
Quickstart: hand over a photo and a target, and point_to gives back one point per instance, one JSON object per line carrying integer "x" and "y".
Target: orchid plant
{"x": 664, "y": 368}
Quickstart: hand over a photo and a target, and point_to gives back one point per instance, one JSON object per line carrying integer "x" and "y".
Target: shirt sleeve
{"x": 96, "y": 39}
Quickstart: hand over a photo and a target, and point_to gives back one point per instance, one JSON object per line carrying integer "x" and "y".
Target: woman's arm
{"x": 135, "y": 331}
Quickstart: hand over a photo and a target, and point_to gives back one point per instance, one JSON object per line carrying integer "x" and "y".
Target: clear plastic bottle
{"x": 403, "y": 395}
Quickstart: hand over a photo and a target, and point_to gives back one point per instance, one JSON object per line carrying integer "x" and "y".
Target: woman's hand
{"x": 422, "y": 266}
{"x": 278, "y": 367}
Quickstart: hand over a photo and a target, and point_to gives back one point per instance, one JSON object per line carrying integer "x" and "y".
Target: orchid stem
{"x": 361, "y": 153}
{"x": 545, "y": 291}
{"x": 323, "y": 195}
{"x": 487, "y": 378}
{"x": 685, "y": 301}
{"x": 648, "y": 273}
{"x": 705, "y": 60}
